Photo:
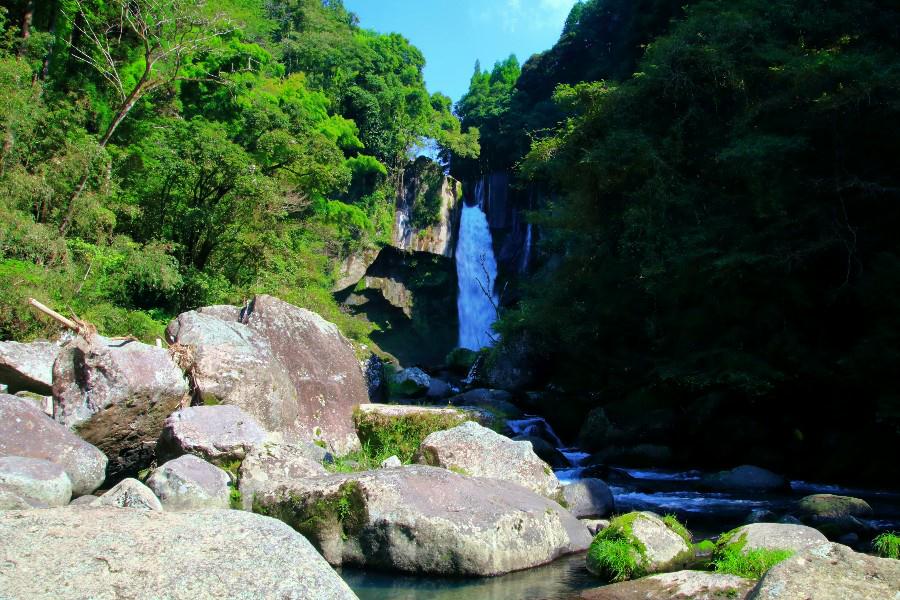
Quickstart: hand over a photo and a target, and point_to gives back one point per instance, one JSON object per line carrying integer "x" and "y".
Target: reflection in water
{"x": 560, "y": 580}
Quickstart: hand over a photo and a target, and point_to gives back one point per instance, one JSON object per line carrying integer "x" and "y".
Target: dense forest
{"x": 717, "y": 181}
{"x": 160, "y": 156}
{"x": 718, "y": 230}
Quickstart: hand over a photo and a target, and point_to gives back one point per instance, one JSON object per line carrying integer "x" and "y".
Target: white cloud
{"x": 534, "y": 15}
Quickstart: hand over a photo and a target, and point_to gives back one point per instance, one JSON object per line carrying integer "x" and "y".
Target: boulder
{"x": 116, "y": 395}
{"x": 636, "y": 544}
{"x": 43, "y": 403}
{"x": 26, "y": 431}
{"x": 85, "y": 500}
{"x": 746, "y": 477}
{"x": 129, "y": 493}
{"x": 438, "y": 389}
{"x": 285, "y": 366}
{"x": 589, "y": 498}
{"x": 829, "y": 571}
{"x": 274, "y": 465}
{"x": 410, "y": 383}
{"x": 425, "y": 520}
{"x": 508, "y": 366}
{"x": 835, "y": 516}
{"x": 545, "y": 451}
{"x": 480, "y": 452}
{"x": 109, "y": 553}
{"x": 680, "y": 585}
{"x": 392, "y": 462}
{"x": 28, "y": 367}
{"x": 11, "y": 499}
{"x": 218, "y": 434}
{"x": 373, "y": 371}
{"x": 771, "y": 536}
{"x": 498, "y": 402}
{"x": 35, "y": 479}
{"x": 595, "y": 526}
{"x": 190, "y": 483}
{"x": 594, "y": 433}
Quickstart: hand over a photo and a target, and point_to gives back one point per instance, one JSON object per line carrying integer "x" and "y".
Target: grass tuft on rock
{"x": 616, "y": 554}
{"x": 887, "y": 545}
{"x": 751, "y": 564}
{"x": 675, "y": 525}
{"x": 384, "y": 436}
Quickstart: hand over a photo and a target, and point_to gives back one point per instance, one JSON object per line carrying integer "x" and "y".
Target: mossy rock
{"x": 830, "y": 506}
{"x": 637, "y": 544}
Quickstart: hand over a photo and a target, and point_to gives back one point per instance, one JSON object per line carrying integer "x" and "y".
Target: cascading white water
{"x": 476, "y": 269}
{"x": 526, "y": 251}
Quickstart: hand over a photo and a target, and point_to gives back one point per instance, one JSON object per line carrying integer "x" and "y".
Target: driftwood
{"x": 81, "y": 327}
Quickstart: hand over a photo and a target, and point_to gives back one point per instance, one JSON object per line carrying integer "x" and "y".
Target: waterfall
{"x": 526, "y": 251}
{"x": 476, "y": 268}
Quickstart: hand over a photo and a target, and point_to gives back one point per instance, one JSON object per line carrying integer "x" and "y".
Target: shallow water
{"x": 560, "y": 580}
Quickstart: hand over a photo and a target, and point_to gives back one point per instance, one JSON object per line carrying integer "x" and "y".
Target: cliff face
{"x": 427, "y": 214}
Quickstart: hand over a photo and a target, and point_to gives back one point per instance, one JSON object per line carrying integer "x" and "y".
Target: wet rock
{"x": 828, "y": 571}
{"x": 116, "y": 395}
{"x": 835, "y": 516}
{"x": 129, "y": 493}
{"x": 746, "y": 477}
{"x": 772, "y": 536}
{"x": 286, "y": 366}
{"x": 106, "y": 553}
{"x": 28, "y": 367}
{"x": 589, "y": 498}
{"x": 438, "y": 389}
{"x": 653, "y": 547}
{"x": 509, "y": 366}
{"x": 545, "y": 451}
{"x": 189, "y": 483}
{"x": 761, "y": 515}
{"x": 373, "y": 371}
{"x": 680, "y": 585}
{"x": 275, "y": 465}
{"x": 426, "y": 520}
{"x": 217, "y": 434}
{"x": 410, "y": 383}
{"x": 35, "y": 479}
{"x": 26, "y": 431}
{"x": 481, "y": 452}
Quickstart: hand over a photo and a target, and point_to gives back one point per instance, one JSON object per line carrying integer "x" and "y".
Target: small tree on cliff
{"x": 167, "y": 33}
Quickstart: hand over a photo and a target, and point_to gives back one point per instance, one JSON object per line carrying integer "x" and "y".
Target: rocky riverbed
{"x": 245, "y": 460}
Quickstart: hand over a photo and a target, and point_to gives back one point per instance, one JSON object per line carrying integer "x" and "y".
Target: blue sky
{"x": 454, "y": 33}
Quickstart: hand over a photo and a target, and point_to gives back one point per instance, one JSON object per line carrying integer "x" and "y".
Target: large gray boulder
{"x": 109, "y": 553}
{"x": 478, "y": 451}
{"x": 28, "y": 367}
{"x": 772, "y": 536}
{"x": 830, "y": 571}
{"x": 129, "y": 493}
{"x": 412, "y": 382}
{"x": 218, "y": 434}
{"x": 835, "y": 516}
{"x": 680, "y": 585}
{"x": 426, "y": 520}
{"x": 589, "y": 497}
{"x": 275, "y": 465}
{"x": 190, "y": 483}
{"x": 26, "y": 431}
{"x": 745, "y": 477}
{"x": 287, "y": 367}
{"x": 116, "y": 394}
{"x": 36, "y": 479}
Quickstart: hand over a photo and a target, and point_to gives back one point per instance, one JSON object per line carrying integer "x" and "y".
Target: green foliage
{"x": 672, "y": 523}
{"x": 460, "y": 360}
{"x": 887, "y": 545}
{"x": 751, "y": 564}
{"x": 235, "y": 498}
{"x": 615, "y": 554}
{"x": 318, "y": 515}
{"x": 401, "y": 436}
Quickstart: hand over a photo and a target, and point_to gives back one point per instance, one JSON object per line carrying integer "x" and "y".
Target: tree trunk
{"x": 54, "y": 15}
{"x": 27, "y": 18}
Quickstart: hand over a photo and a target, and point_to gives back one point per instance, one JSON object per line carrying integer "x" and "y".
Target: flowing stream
{"x": 476, "y": 269}
{"x": 706, "y": 514}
